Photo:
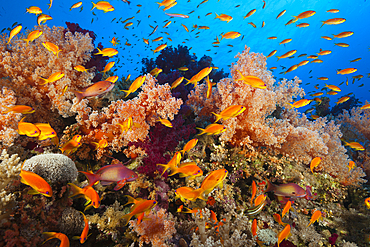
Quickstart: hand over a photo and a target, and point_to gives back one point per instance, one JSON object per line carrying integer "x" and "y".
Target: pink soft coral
{"x": 156, "y": 229}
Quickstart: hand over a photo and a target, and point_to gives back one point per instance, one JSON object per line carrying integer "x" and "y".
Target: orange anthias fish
{"x": 272, "y": 53}
{"x": 51, "y": 47}
{"x": 32, "y": 36}
{"x": 76, "y": 5}
{"x": 351, "y": 165}
{"x": 343, "y": 34}
{"x": 112, "y": 79}
{"x": 281, "y": 14}
{"x": 253, "y": 81}
{"x": 88, "y": 193}
{"x": 177, "y": 82}
{"x": 14, "y": 32}
{"x": 333, "y": 21}
{"x": 80, "y": 68}
{"x": 172, "y": 163}
{"x": 343, "y": 99}
{"x": 367, "y": 202}
{"x": 199, "y": 76}
{"x": 189, "y": 145}
{"x": 155, "y": 72}
{"x": 254, "y": 190}
{"x": 333, "y": 87}
{"x": 300, "y": 103}
{"x": 250, "y": 13}
{"x": 288, "y": 54}
{"x": 108, "y": 67}
{"x": 103, "y": 5}
{"x": 24, "y": 109}
{"x": 209, "y": 87}
{"x": 85, "y": 231}
{"x": 214, "y": 179}
{"x": 101, "y": 144}
{"x": 231, "y": 111}
{"x": 315, "y": 162}
{"x": 305, "y": 14}
{"x": 38, "y": 184}
{"x": 72, "y": 145}
{"x": 54, "y": 77}
{"x": 212, "y": 129}
{"x": 223, "y": 17}
{"x": 315, "y": 216}
{"x": 28, "y": 129}
{"x": 159, "y": 48}
{"x": 64, "y": 241}
{"x": 366, "y": 106}
{"x": 187, "y": 169}
{"x": 114, "y": 41}
{"x": 34, "y": 10}
{"x": 189, "y": 194}
{"x": 41, "y": 19}
{"x": 284, "y": 234}
{"x": 116, "y": 172}
{"x": 286, "y": 208}
{"x": 278, "y": 219}
{"x": 346, "y": 71}
{"x": 96, "y": 89}
{"x": 135, "y": 85}
{"x": 46, "y": 131}
{"x": 107, "y": 52}
{"x": 285, "y": 41}
{"x": 140, "y": 207}
{"x": 254, "y": 227}
{"x": 230, "y": 35}
{"x": 355, "y": 145}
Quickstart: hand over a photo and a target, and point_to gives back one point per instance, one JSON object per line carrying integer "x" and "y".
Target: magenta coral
{"x": 156, "y": 229}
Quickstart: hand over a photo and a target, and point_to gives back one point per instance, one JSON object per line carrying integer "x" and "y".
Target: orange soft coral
{"x": 263, "y": 124}
{"x": 156, "y": 229}
{"x": 22, "y": 65}
{"x": 8, "y": 121}
{"x": 152, "y": 102}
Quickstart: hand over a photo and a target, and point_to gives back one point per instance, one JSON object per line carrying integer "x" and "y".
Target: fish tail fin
{"x": 49, "y": 235}
{"x": 99, "y": 51}
{"x": 79, "y": 95}
{"x": 91, "y": 177}
{"x": 94, "y": 5}
{"x": 127, "y": 92}
{"x": 165, "y": 168}
{"x": 270, "y": 186}
{"x": 218, "y": 117}
{"x": 27, "y": 40}
{"x": 278, "y": 58}
{"x": 130, "y": 199}
{"x": 291, "y": 105}
{"x": 174, "y": 170}
{"x": 45, "y": 80}
{"x": 75, "y": 189}
{"x": 202, "y": 131}
{"x": 216, "y": 16}
{"x": 127, "y": 217}
{"x": 323, "y": 23}
{"x": 201, "y": 194}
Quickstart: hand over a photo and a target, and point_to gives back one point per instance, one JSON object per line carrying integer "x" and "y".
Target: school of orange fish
{"x": 118, "y": 173}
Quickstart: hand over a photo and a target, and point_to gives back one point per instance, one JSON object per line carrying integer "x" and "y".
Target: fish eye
{"x": 53, "y": 132}
{"x": 99, "y": 202}
{"x": 198, "y": 171}
{"x": 293, "y": 192}
{"x": 47, "y": 192}
{"x": 93, "y": 203}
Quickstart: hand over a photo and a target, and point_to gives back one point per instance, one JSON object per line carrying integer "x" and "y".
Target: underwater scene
{"x": 204, "y": 123}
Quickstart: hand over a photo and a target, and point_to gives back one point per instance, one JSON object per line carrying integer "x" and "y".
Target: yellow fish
{"x": 54, "y": 77}
{"x": 287, "y": 54}
{"x": 333, "y": 21}
{"x": 333, "y": 87}
{"x": 76, "y": 5}
{"x": 135, "y": 85}
{"x": 103, "y": 5}
{"x": 28, "y": 129}
{"x": 223, "y": 17}
{"x": 159, "y": 48}
{"x": 32, "y": 36}
{"x": 51, "y": 47}
{"x": 107, "y": 52}
{"x": 34, "y": 10}
{"x": 14, "y": 32}
{"x": 43, "y": 18}
{"x": 300, "y": 103}
{"x": 212, "y": 129}
{"x": 46, "y": 131}
{"x": 230, "y": 35}
{"x": 253, "y": 81}
{"x": 108, "y": 67}
{"x": 177, "y": 82}
{"x": 229, "y": 112}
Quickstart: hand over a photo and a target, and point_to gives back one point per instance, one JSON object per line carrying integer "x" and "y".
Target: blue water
{"x": 305, "y": 40}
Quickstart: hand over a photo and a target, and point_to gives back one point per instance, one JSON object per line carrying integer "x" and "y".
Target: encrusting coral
{"x": 289, "y": 134}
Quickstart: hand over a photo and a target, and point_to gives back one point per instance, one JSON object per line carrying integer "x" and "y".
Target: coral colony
{"x": 210, "y": 159}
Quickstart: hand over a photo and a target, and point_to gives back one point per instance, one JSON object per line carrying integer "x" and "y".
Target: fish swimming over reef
{"x": 109, "y": 174}
{"x": 96, "y": 89}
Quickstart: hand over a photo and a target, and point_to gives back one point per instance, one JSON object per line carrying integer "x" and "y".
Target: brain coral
{"x": 54, "y": 168}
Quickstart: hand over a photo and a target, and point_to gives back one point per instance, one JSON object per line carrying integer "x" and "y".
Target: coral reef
{"x": 10, "y": 167}
{"x": 156, "y": 228}
{"x": 55, "y": 168}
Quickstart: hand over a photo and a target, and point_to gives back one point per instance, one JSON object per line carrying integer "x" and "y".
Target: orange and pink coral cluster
{"x": 267, "y": 122}
{"x": 8, "y": 121}
{"x": 153, "y": 101}
{"x": 156, "y": 228}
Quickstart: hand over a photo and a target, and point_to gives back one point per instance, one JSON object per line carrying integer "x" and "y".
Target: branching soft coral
{"x": 153, "y": 101}
{"x": 156, "y": 229}
{"x": 289, "y": 133}
{"x": 22, "y": 65}
{"x": 8, "y": 121}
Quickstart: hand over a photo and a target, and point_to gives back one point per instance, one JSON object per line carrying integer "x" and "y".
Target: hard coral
{"x": 156, "y": 229}
{"x": 55, "y": 168}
